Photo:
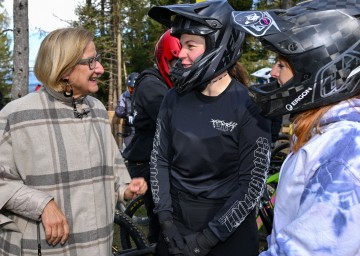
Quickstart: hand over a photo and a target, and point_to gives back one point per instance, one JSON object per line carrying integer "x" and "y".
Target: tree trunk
{"x": 119, "y": 60}
{"x": 20, "y": 85}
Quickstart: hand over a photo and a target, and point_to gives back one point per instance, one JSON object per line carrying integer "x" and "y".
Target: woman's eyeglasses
{"x": 90, "y": 61}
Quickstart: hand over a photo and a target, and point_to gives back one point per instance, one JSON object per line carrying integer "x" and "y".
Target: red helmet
{"x": 166, "y": 50}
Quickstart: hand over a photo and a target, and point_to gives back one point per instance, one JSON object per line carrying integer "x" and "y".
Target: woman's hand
{"x": 137, "y": 186}
{"x": 55, "y": 224}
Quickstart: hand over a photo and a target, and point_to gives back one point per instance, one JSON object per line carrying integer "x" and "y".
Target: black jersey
{"x": 211, "y": 147}
{"x": 150, "y": 89}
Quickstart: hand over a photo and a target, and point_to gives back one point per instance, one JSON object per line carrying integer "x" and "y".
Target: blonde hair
{"x": 59, "y": 53}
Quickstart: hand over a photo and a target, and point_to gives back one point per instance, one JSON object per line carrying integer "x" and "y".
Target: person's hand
{"x": 137, "y": 186}
{"x": 199, "y": 244}
{"x": 55, "y": 224}
{"x": 172, "y": 237}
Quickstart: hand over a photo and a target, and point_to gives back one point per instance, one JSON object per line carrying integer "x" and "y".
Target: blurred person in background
{"x": 124, "y": 109}
{"x": 150, "y": 89}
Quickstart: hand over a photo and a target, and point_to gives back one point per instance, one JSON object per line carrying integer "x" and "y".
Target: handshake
{"x": 199, "y": 244}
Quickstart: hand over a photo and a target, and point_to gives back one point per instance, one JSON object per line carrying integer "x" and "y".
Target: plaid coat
{"x": 47, "y": 153}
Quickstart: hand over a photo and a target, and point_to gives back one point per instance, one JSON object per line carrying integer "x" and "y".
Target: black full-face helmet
{"x": 321, "y": 41}
{"x": 210, "y": 19}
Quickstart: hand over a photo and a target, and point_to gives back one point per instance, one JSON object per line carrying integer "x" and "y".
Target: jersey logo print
{"x": 153, "y": 164}
{"x": 223, "y": 126}
{"x": 240, "y": 209}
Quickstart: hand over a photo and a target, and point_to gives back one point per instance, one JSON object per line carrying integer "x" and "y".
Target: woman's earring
{"x": 68, "y": 91}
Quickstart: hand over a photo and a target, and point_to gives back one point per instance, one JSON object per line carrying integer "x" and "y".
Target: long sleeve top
{"x": 317, "y": 207}
{"x": 47, "y": 153}
{"x": 211, "y": 147}
{"x": 148, "y": 94}
{"x": 123, "y": 107}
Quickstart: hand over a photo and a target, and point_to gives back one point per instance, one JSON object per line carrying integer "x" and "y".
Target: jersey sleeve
{"x": 254, "y": 159}
{"x": 149, "y": 96}
{"x": 161, "y": 156}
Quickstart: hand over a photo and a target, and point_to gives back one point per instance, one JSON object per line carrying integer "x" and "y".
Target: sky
{"x": 46, "y": 15}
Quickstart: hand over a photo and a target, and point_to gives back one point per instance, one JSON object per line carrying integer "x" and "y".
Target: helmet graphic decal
{"x": 256, "y": 23}
{"x": 328, "y": 75}
{"x": 320, "y": 40}
{"x": 298, "y": 99}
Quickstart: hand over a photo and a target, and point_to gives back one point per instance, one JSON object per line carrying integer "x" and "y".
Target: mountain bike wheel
{"x": 136, "y": 236}
{"x": 136, "y": 210}
{"x": 133, "y": 211}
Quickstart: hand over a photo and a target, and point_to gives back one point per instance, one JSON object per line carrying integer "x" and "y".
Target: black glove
{"x": 172, "y": 237}
{"x": 199, "y": 244}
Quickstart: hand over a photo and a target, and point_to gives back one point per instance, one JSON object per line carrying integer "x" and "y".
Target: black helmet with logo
{"x": 210, "y": 19}
{"x": 321, "y": 41}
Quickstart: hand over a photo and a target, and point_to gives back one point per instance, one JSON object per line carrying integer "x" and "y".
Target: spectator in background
{"x": 124, "y": 109}
{"x": 150, "y": 89}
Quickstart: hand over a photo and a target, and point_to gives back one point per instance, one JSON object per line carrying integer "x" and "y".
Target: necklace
{"x": 213, "y": 81}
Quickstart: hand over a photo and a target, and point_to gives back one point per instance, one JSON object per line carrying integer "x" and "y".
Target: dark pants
{"x": 192, "y": 215}
{"x": 143, "y": 170}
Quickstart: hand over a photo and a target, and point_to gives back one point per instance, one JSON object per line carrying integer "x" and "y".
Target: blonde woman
{"x": 60, "y": 173}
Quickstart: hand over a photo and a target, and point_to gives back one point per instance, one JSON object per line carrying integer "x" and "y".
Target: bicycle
{"x": 136, "y": 243}
{"x": 131, "y": 239}
{"x": 135, "y": 210}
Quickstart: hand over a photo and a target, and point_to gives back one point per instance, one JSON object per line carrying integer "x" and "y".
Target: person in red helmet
{"x": 150, "y": 89}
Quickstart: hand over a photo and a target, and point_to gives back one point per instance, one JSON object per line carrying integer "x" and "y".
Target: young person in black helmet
{"x": 211, "y": 149}
{"x": 150, "y": 89}
{"x": 317, "y": 208}
{"x": 124, "y": 108}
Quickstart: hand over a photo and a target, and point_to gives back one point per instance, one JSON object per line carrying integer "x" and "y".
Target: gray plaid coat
{"x": 47, "y": 153}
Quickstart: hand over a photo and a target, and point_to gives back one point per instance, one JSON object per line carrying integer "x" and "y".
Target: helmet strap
{"x": 217, "y": 79}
